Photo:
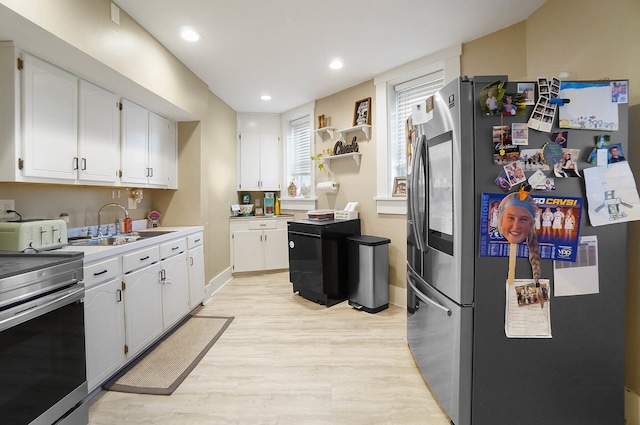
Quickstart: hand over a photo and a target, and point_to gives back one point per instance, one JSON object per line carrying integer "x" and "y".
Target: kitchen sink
{"x": 117, "y": 240}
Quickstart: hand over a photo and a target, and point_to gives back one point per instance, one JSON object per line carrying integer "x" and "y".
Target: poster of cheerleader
{"x": 554, "y": 225}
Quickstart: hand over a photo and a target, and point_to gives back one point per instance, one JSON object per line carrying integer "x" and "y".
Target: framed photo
{"x": 362, "y": 112}
{"x": 400, "y": 186}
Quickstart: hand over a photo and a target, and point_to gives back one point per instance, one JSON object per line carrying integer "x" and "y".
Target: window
{"x": 407, "y": 94}
{"x": 391, "y": 87}
{"x": 298, "y": 161}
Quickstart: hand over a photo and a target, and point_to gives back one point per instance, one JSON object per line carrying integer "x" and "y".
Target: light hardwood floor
{"x": 285, "y": 360}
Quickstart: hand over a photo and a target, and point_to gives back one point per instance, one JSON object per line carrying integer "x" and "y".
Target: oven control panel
{"x": 38, "y": 234}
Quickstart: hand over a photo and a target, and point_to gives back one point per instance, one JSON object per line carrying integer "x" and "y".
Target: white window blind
{"x": 299, "y": 152}
{"x": 408, "y": 94}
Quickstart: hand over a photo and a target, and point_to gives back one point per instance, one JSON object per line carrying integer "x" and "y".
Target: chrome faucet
{"x": 112, "y": 204}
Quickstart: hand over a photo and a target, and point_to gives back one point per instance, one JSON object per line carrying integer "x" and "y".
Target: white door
{"x": 247, "y": 251}
{"x": 162, "y": 145}
{"x": 99, "y": 139}
{"x": 50, "y": 120}
{"x": 175, "y": 289}
{"x": 104, "y": 331}
{"x": 134, "y": 140}
{"x": 249, "y": 162}
{"x": 196, "y": 276}
{"x": 143, "y": 308}
{"x": 269, "y": 162}
{"x": 276, "y": 249}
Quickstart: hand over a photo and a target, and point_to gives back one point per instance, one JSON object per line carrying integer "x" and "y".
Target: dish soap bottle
{"x": 277, "y": 207}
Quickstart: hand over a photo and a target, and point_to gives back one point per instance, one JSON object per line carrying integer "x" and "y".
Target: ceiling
{"x": 283, "y": 47}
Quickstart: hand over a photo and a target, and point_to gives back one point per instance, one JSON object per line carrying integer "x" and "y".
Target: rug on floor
{"x": 168, "y": 362}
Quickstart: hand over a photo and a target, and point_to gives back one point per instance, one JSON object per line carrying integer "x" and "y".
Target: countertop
{"x": 94, "y": 253}
{"x": 260, "y": 217}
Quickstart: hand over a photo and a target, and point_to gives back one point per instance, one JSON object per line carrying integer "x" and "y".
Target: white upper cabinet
{"x": 56, "y": 128}
{"x": 259, "y": 162}
{"x": 99, "y": 139}
{"x": 149, "y": 146}
{"x": 50, "y": 121}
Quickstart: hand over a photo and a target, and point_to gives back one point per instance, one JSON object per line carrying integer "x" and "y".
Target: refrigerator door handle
{"x": 426, "y": 299}
{"x": 414, "y": 199}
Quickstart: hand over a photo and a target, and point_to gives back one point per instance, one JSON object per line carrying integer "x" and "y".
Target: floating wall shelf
{"x": 365, "y": 128}
{"x": 354, "y": 155}
{"x": 325, "y": 130}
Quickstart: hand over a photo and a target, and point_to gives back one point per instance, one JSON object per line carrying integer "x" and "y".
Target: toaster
{"x": 40, "y": 235}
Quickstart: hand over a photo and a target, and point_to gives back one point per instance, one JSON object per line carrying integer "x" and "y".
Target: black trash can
{"x": 368, "y": 272}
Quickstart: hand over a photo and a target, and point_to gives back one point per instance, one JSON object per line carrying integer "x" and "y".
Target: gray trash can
{"x": 368, "y": 272}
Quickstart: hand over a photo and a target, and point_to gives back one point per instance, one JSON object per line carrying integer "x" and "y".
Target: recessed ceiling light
{"x": 265, "y": 97}
{"x": 190, "y": 35}
{"x": 336, "y": 64}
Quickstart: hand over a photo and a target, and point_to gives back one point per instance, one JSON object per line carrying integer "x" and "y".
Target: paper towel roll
{"x": 327, "y": 186}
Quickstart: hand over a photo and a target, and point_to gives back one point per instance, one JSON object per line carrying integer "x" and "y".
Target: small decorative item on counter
{"x": 305, "y": 190}
{"x": 154, "y": 217}
{"x": 268, "y": 204}
{"x": 246, "y": 209}
{"x": 259, "y": 211}
{"x": 292, "y": 189}
{"x": 64, "y": 217}
{"x": 321, "y": 121}
{"x": 277, "y": 208}
{"x": 246, "y": 199}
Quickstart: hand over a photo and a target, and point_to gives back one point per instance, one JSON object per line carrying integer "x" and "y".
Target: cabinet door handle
{"x": 75, "y": 162}
{"x": 99, "y": 273}
{"x": 119, "y": 295}
{"x": 151, "y": 175}
{"x": 144, "y": 258}
{"x": 197, "y": 240}
{"x": 84, "y": 164}
{"x": 175, "y": 247}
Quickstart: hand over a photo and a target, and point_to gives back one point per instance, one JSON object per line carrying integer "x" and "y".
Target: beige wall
{"x": 359, "y": 183}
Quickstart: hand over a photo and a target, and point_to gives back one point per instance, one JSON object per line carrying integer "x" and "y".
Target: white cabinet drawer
{"x": 195, "y": 240}
{"x": 172, "y": 248}
{"x": 263, "y": 224}
{"x": 101, "y": 272}
{"x": 141, "y": 258}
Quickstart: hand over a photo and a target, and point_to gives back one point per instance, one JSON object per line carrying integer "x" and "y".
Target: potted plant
{"x": 319, "y": 158}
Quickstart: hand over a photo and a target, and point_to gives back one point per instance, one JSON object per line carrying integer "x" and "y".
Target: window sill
{"x": 298, "y": 204}
{"x": 391, "y": 205}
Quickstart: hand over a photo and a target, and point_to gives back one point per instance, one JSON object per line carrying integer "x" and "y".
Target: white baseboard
{"x": 631, "y": 407}
{"x": 216, "y": 283}
{"x": 398, "y": 296}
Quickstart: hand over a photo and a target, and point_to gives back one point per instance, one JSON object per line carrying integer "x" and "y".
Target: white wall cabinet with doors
{"x": 149, "y": 146}
{"x": 57, "y": 128}
{"x": 259, "y": 244}
{"x": 103, "y": 320}
{"x": 196, "y": 270}
{"x": 259, "y": 158}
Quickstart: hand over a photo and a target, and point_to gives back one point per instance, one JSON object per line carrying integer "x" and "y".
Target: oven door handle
{"x": 29, "y": 310}
{"x": 310, "y": 235}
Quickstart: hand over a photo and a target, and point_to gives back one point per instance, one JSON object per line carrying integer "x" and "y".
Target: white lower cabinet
{"x": 142, "y": 304}
{"x": 259, "y": 244}
{"x": 132, "y": 299}
{"x": 104, "y": 321}
{"x": 196, "y": 270}
{"x": 174, "y": 282}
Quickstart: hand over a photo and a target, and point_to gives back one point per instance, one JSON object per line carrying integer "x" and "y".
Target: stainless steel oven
{"x": 42, "y": 347}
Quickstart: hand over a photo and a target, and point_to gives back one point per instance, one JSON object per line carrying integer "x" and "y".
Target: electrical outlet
{"x": 7, "y": 204}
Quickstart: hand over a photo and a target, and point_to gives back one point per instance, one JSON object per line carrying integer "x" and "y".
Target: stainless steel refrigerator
{"x": 456, "y": 298}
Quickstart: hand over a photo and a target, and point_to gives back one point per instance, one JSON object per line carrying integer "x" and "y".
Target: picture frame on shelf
{"x": 399, "y": 187}
{"x": 362, "y": 112}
